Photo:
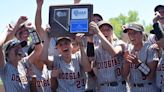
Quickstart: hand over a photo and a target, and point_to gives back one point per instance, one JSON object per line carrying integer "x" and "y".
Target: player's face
{"x": 135, "y": 36}
{"x": 161, "y": 12}
{"x": 15, "y": 53}
{"x": 96, "y": 19}
{"x": 65, "y": 47}
{"x": 107, "y": 31}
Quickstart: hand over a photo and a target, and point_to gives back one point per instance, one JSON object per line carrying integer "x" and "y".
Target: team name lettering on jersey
{"x": 22, "y": 79}
{"x": 69, "y": 75}
{"x": 15, "y": 78}
{"x": 43, "y": 83}
{"x": 107, "y": 64}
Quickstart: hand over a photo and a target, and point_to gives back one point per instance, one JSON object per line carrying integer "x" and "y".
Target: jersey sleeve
{"x": 152, "y": 55}
{"x": 56, "y": 62}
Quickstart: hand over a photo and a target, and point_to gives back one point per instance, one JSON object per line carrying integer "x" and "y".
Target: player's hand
{"x": 39, "y": 3}
{"x": 55, "y": 73}
{"x": 93, "y": 28}
{"x": 22, "y": 19}
{"x": 154, "y": 46}
{"x": 132, "y": 58}
{"x": 79, "y": 37}
{"x": 77, "y": 1}
{"x": 126, "y": 56}
{"x": 9, "y": 28}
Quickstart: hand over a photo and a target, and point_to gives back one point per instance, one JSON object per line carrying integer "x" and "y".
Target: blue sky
{"x": 12, "y": 9}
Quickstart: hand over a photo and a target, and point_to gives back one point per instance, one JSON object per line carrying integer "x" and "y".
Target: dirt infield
{"x": 1, "y": 88}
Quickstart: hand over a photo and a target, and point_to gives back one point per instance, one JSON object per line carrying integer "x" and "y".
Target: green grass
{"x": 1, "y": 82}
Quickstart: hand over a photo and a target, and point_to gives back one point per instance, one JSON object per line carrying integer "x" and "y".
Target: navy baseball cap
{"x": 158, "y": 7}
{"x": 100, "y": 23}
{"x": 14, "y": 43}
{"x": 133, "y": 26}
{"x": 96, "y": 14}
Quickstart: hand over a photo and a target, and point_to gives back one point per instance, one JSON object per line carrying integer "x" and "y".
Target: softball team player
{"x": 142, "y": 60}
{"x": 72, "y": 67}
{"x": 12, "y": 69}
{"x": 108, "y": 60}
{"x": 159, "y": 28}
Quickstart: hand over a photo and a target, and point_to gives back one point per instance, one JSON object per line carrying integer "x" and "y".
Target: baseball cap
{"x": 60, "y": 39}
{"x": 133, "y": 26}
{"x": 96, "y": 14}
{"x": 100, "y": 23}
{"x": 14, "y": 43}
{"x": 158, "y": 7}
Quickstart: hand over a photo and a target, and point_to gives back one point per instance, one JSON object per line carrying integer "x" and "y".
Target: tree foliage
{"x": 120, "y": 20}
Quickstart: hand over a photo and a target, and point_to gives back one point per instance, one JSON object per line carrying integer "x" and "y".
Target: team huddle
{"x": 99, "y": 62}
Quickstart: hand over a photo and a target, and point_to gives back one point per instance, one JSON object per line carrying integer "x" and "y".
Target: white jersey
{"x": 43, "y": 82}
{"x": 146, "y": 55}
{"x": 71, "y": 77}
{"x": 109, "y": 70}
{"x": 160, "y": 73}
{"x": 108, "y": 67}
{"x": 14, "y": 79}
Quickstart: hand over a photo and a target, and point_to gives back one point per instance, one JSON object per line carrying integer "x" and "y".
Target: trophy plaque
{"x": 67, "y": 20}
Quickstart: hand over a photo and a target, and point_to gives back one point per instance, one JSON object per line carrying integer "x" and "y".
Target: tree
{"x": 117, "y": 22}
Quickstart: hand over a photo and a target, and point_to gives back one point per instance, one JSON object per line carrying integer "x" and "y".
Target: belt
{"x": 113, "y": 83}
{"x": 89, "y": 91}
{"x": 141, "y": 84}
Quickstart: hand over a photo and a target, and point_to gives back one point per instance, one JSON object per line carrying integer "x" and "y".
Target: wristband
{"x": 90, "y": 49}
{"x": 144, "y": 68}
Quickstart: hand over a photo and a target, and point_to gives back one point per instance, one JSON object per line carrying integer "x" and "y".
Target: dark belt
{"x": 89, "y": 91}
{"x": 141, "y": 84}
{"x": 113, "y": 83}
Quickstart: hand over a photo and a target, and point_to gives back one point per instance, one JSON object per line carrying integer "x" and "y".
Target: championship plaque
{"x": 67, "y": 20}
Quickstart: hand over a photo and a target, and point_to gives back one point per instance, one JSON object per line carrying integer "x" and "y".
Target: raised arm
{"x": 106, "y": 44}
{"x": 3, "y": 36}
{"x": 38, "y": 18}
{"x": 12, "y": 30}
{"x": 84, "y": 59}
{"x": 42, "y": 33}
{"x": 44, "y": 55}
{"x": 35, "y": 55}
